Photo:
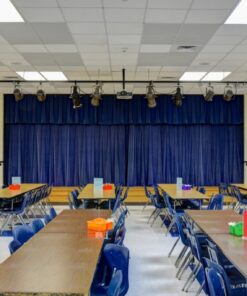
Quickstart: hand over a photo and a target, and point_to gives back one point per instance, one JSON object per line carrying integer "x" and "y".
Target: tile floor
{"x": 151, "y": 271}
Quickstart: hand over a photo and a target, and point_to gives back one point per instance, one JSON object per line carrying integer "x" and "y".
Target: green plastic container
{"x": 236, "y": 229}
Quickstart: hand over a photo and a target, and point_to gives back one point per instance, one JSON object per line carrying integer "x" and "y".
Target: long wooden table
{"x": 215, "y": 225}
{"x": 55, "y": 262}
{"x": 173, "y": 193}
{"x": 88, "y": 193}
{"x": 241, "y": 186}
{"x": 8, "y": 194}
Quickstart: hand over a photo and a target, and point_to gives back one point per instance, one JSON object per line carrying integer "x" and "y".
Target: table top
{"x": 241, "y": 186}
{"x": 171, "y": 190}
{"x": 88, "y": 192}
{"x": 234, "y": 248}
{"x": 6, "y": 193}
{"x": 62, "y": 263}
{"x": 75, "y": 222}
{"x": 214, "y": 222}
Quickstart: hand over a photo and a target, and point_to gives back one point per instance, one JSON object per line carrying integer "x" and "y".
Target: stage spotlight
{"x": 76, "y": 96}
{"x": 151, "y": 96}
{"x": 41, "y": 96}
{"x": 228, "y": 93}
{"x": 18, "y": 93}
{"x": 178, "y": 97}
{"x": 209, "y": 93}
{"x": 96, "y": 95}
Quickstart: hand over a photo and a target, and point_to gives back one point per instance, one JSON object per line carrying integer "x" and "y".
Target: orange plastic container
{"x": 15, "y": 187}
{"x": 99, "y": 224}
{"x": 107, "y": 187}
{"x": 96, "y": 234}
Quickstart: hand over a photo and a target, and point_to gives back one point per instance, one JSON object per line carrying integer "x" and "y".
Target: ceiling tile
{"x": 125, "y": 4}
{"x": 94, "y": 56}
{"x": 206, "y": 16}
{"x": 228, "y": 29}
{"x": 217, "y": 48}
{"x": 53, "y": 33}
{"x": 240, "y": 48}
{"x": 18, "y": 33}
{"x": 40, "y": 59}
{"x": 52, "y": 15}
{"x": 36, "y": 3}
{"x": 30, "y": 47}
{"x": 124, "y": 15}
{"x": 159, "y": 33}
{"x": 80, "y": 3}
{"x": 165, "y": 16}
{"x": 6, "y": 48}
{"x": 211, "y": 56}
{"x": 124, "y": 28}
{"x": 92, "y": 48}
{"x": 226, "y": 39}
{"x": 87, "y": 28}
{"x": 73, "y": 68}
{"x": 188, "y": 34}
{"x": 68, "y": 59}
{"x": 90, "y": 39}
{"x": 61, "y": 47}
{"x": 47, "y": 68}
{"x": 212, "y": 4}
{"x": 155, "y": 48}
{"x": 120, "y": 48}
{"x": 170, "y": 4}
{"x": 83, "y": 15}
{"x": 124, "y": 39}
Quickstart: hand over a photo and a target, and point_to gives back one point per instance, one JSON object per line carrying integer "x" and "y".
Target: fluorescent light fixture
{"x": 54, "y": 76}
{"x": 192, "y": 76}
{"x": 238, "y": 16}
{"x": 8, "y": 13}
{"x": 31, "y": 76}
{"x": 215, "y": 76}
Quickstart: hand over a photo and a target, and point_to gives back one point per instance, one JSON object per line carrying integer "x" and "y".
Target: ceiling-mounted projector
{"x": 123, "y": 94}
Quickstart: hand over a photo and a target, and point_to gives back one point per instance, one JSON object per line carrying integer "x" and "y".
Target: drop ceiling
{"x": 80, "y": 37}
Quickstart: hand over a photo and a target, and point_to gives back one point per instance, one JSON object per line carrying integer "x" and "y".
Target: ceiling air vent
{"x": 187, "y": 48}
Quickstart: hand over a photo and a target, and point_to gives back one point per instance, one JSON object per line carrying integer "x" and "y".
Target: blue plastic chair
{"x": 53, "y": 213}
{"x": 216, "y": 202}
{"x": 14, "y": 246}
{"x": 115, "y": 284}
{"x": 23, "y": 233}
{"x": 47, "y": 219}
{"x": 115, "y": 258}
{"x": 37, "y": 225}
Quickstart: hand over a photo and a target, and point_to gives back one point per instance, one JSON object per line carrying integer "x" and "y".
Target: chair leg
{"x": 6, "y": 222}
{"x": 154, "y": 211}
{"x": 173, "y": 247}
{"x": 156, "y": 216}
{"x": 170, "y": 226}
{"x": 180, "y": 256}
{"x": 185, "y": 264}
{"x": 192, "y": 279}
{"x": 200, "y": 289}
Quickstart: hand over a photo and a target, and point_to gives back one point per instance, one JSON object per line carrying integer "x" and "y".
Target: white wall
{"x": 1, "y": 136}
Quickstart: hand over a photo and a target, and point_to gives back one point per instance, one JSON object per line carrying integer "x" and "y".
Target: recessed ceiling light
{"x": 31, "y": 76}
{"x": 238, "y": 16}
{"x": 216, "y": 76}
{"x": 8, "y": 13}
{"x": 192, "y": 76}
{"x": 55, "y": 76}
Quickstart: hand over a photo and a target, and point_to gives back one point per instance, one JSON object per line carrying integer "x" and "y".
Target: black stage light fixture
{"x": 228, "y": 93}
{"x": 41, "y": 96}
{"x": 151, "y": 95}
{"x": 96, "y": 95}
{"x": 177, "y": 98}
{"x": 209, "y": 93}
{"x": 76, "y": 96}
{"x": 18, "y": 93}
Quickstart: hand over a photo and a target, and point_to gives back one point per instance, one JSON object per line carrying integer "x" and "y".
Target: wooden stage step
{"x": 59, "y": 195}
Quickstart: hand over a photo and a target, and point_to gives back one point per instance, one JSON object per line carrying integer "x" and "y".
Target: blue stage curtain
{"x": 126, "y": 154}
{"x": 57, "y": 109}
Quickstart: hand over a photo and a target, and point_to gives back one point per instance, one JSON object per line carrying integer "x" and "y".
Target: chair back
{"x": 216, "y": 202}
{"x": 47, "y": 219}
{"x": 115, "y": 284}
{"x": 217, "y": 280}
{"x": 70, "y": 203}
{"x": 37, "y": 225}
{"x": 180, "y": 228}
{"x": 23, "y": 233}
{"x": 74, "y": 195}
{"x": 53, "y": 213}
{"x": 201, "y": 189}
{"x": 14, "y": 246}
{"x": 125, "y": 194}
{"x": 117, "y": 257}
{"x": 223, "y": 189}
